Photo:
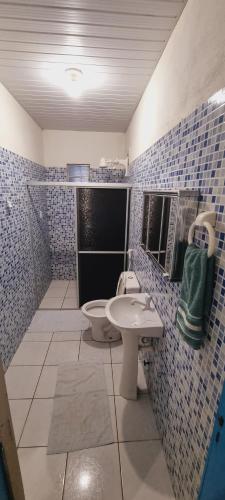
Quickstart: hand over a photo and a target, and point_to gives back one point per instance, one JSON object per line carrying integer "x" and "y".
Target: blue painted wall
{"x": 213, "y": 481}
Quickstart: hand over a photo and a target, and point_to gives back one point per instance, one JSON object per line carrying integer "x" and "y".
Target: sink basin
{"x": 128, "y": 314}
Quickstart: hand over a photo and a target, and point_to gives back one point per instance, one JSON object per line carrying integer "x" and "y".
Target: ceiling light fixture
{"x": 73, "y": 81}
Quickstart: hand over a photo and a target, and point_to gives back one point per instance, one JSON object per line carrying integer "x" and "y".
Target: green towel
{"x": 196, "y": 295}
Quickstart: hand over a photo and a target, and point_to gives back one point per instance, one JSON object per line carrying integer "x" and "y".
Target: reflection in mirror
{"x": 166, "y": 219}
{"x": 154, "y": 225}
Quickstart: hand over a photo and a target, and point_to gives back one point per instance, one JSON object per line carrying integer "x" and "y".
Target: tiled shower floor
{"x": 61, "y": 294}
{"x": 133, "y": 468}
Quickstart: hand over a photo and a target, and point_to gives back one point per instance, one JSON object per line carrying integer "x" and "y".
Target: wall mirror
{"x": 167, "y": 217}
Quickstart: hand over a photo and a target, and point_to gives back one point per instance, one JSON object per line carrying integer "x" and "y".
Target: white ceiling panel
{"x": 119, "y": 41}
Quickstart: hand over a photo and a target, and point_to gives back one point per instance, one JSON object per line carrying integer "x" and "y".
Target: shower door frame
{"x": 78, "y": 252}
{"x": 91, "y": 185}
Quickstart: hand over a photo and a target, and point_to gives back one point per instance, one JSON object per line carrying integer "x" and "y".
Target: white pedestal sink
{"x": 129, "y": 315}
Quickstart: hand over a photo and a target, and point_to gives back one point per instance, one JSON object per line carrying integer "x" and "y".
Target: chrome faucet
{"x": 146, "y": 306}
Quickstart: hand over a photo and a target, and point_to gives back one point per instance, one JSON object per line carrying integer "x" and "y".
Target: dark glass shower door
{"x": 102, "y": 215}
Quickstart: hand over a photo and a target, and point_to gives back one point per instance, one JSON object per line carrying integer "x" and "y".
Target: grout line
{"x": 64, "y": 297}
{"x": 64, "y": 484}
{"x": 32, "y": 399}
{"x": 34, "y": 341}
{"x": 68, "y": 331}
{"x": 20, "y": 435}
{"x": 152, "y": 440}
{"x": 29, "y": 447}
{"x": 114, "y": 398}
{"x": 50, "y": 309}
{"x": 12, "y": 366}
{"x": 78, "y": 357}
{"x": 120, "y": 466}
{"x": 26, "y": 399}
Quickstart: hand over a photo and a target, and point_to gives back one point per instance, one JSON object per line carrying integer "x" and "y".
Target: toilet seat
{"x": 95, "y": 308}
{"x": 102, "y": 330}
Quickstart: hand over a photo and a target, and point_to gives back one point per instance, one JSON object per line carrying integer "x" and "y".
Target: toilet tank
{"x": 128, "y": 283}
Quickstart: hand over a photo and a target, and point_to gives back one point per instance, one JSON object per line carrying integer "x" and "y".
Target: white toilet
{"x": 102, "y": 330}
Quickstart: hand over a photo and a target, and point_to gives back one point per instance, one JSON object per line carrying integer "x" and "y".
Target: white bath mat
{"x": 81, "y": 414}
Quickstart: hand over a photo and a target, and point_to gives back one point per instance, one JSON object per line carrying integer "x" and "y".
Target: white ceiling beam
{"x": 48, "y": 26}
{"x": 79, "y": 51}
{"x": 80, "y": 41}
{"x": 76, "y": 60}
{"x": 124, "y": 21}
{"x": 141, "y": 7}
{"x": 39, "y": 68}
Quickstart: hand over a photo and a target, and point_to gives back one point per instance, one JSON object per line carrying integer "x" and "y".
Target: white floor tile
{"x": 98, "y": 352}
{"x": 59, "y": 284}
{"x": 43, "y": 475}
{"x": 48, "y": 303}
{"x": 55, "y": 293}
{"x": 117, "y": 370}
{"x": 113, "y": 417}
{"x": 64, "y": 321}
{"x": 93, "y": 474}
{"x": 70, "y": 303}
{"x": 62, "y": 352}
{"x": 62, "y": 336}
{"x": 144, "y": 471}
{"x": 47, "y": 382}
{"x": 21, "y": 381}
{"x": 72, "y": 285}
{"x": 109, "y": 379}
{"x": 19, "y": 410}
{"x": 36, "y": 429}
{"x": 30, "y": 353}
{"x": 71, "y": 293}
{"x": 37, "y": 337}
{"x": 135, "y": 419}
{"x": 117, "y": 352}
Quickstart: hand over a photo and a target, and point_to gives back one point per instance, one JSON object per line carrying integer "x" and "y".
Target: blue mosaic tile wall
{"x": 100, "y": 174}
{"x": 40, "y": 242}
{"x": 185, "y": 384}
{"x": 106, "y": 174}
{"x": 24, "y": 249}
{"x": 61, "y": 218}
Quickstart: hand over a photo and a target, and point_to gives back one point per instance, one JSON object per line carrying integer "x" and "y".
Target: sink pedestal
{"x": 128, "y": 383}
{"x": 134, "y": 318}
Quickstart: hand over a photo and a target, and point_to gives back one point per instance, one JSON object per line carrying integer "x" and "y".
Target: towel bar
{"x": 207, "y": 220}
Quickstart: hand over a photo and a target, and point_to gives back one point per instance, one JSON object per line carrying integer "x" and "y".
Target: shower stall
{"x": 102, "y": 232}
{"x": 88, "y": 234}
